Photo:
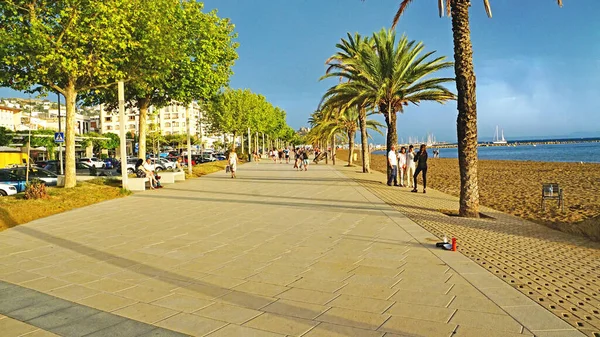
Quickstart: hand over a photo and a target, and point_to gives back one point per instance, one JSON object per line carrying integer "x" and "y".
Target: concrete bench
{"x": 179, "y": 176}
{"x": 137, "y": 184}
{"x": 167, "y": 177}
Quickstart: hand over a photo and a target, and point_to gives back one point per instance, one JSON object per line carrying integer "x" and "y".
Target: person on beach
{"x": 421, "y": 160}
{"x": 305, "y": 160}
{"x": 410, "y": 165}
{"x": 402, "y": 165}
{"x": 233, "y": 163}
{"x": 393, "y": 163}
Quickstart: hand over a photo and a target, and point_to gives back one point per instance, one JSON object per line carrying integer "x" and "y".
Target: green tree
{"x": 44, "y": 138}
{"x": 391, "y": 75}
{"x": 67, "y": 47}
{"x": 466, "y": 122}
{"x": 6, "y": 136}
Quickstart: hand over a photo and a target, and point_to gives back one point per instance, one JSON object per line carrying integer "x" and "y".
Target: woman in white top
{"x": 233, "y": 163}
{"x": 410, "y": 165}
{"x": 402, "y": 165}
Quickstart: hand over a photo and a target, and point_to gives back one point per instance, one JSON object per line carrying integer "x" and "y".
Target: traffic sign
{"x": 59, "y": 137}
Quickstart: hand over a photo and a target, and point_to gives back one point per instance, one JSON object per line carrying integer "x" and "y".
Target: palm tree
{"x": 466, "y": 123}
{"x": 348, "y": 50}
{"x": 389, "y": 76}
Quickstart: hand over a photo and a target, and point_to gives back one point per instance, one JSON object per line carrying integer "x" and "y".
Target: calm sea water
{"x": 578, "y": 152}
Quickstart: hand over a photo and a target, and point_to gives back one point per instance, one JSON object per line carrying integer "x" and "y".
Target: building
{"x": 10, "y": 118}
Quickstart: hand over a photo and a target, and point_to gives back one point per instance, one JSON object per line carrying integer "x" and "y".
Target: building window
{"x": 132, "y": 126}
{"x": 109, "y": 127}
{"x": 108, "y": 119}
{"x": 132, "y": 117}
{"x": 167, "y": 125}
{"x": 176, "y": 124}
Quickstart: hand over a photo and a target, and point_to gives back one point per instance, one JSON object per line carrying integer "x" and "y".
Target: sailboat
{"x": 498, "y": 140}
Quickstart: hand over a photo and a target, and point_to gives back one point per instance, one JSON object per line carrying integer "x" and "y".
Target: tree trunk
{"x": 364, "y": 139}
{"x": 70, "y": 98}
{"x": 350, "y": 146}
{"x": 233, "y": 142}
{"x": 466, "y": 123}
{"x": 189, "y": 140}
{"x": 333, "y": 150}
{"x": 392, "y": 136}
{"x": 143, "y": 104}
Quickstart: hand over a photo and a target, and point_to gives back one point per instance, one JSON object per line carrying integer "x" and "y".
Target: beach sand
{"x": 515, "y": 187}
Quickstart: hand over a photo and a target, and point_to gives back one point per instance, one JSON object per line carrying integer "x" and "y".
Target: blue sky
{"x": 537, "y": 65}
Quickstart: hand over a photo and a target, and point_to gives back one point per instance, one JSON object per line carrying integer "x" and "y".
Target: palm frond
{"x": 400, "y": 11}
{"x": 488, "y": 8}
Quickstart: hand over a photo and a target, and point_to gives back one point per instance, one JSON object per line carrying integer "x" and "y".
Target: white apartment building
{"x": 10, "y": 117}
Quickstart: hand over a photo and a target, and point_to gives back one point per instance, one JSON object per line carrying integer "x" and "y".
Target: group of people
{"x": 301, "y": 159}
{"x": 280, "y": 154}
{"x": 408, "y": 165}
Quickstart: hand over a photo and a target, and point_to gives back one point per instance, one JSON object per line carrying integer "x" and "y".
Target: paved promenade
{"x": 274, "y": 252}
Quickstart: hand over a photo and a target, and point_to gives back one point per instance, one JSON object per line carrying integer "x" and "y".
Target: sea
{"x": 588, "y": 152}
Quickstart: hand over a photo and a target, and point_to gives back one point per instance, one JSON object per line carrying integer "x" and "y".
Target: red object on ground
{"x": 453, "y": 244}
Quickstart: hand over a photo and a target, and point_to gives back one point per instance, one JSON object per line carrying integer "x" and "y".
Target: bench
{"x": 168, "y": 177}
{"x": 551, "y": 191}
{"x": 179, "y": 176}
{"x": 137, "y": 184}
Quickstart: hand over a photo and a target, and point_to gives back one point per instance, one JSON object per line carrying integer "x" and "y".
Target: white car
{"x": 166, "y": 163}
{"x": 95, "y": 162}
{"x": 6, "y": 189}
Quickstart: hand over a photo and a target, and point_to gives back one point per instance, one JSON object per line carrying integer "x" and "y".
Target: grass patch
{"x": 206, "y": 168}
{"x": 16, "y": 210}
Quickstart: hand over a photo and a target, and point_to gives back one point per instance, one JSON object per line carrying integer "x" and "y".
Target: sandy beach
{"x": 514, "y": 187}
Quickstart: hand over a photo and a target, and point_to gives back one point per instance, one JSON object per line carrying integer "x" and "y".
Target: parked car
{"x": 7, "y": 189}
{"x": 81, "y": 169}
{"x": 93, "y": 161}
{"x": 111, "y": 163}
{"x": 16, "y": 176}
{"x": 207, "y": 158}
{"x": 220, "y": 156}
{"x": 167, "y": 164}
{"x": 130, "y": 165}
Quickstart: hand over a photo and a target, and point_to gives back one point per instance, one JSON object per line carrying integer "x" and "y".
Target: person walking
{"x": 410, "y": 165}
{"x": 233, "y": 163}
{"x": 421, "y": 159}
{"x": 402, "y": 165}
{"x": 305, "y": 160}
{"x": 393, "y": 163}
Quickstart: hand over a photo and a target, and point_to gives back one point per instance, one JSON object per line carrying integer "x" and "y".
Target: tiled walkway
{"x": 273, "y": 253}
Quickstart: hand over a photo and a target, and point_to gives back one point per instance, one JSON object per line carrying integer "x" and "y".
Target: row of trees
{"x": 165, "y": 50}
{"x": 239, "y": 111}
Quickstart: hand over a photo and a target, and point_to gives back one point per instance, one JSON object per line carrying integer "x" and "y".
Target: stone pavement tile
{"x": 466, "y": 290}
{"x": 20, "y": 277}
{"x": 323, "y": 274}
{"x": 484, "y": 279}
{"x": 486, "y": 320}
{"x": 165, "y": 283}
{"x": 421, "y": 312}
{"x": 12, "y": 327}
{"x": 88, "y": 325}
{"x": 233, "y": 330}
{"x": 234, "y": 272}
{"x": 264, "y": 289}
{"x": 560, "y": 333}
{"x": 361, "y": 303}
{"x": 146, "y": 313}
{"x": 507, "y": 296}
{"x": 73, "y": 292}
{"x": 414, "y": 327}
{"x": 124, "y": 329}
{"x": 160, "y": 332}
{"x": 78, "y": 277}
{"x": 128, "y": 276}
{"x": 376, "y": 271}
{"x": 246, "y": 300}
{"x": 39, "y": 333}
{"x": 44, "y": 284}
{"x": 277, "y": 279}
{"x": 143, "y": 294}
{"x": 344, "y": 267}
{"x": 318, "y": 285}
{"x": 353, "y": 318}
{"x": 221, "y": 281}
{"x": 228, "y": 313}
{"x": 295, "y": 309}
{"x": 204, "y": 291}
{"x": 423, "y": 298}
{"x": 106, "y": 302}
{"x": 102, "y": 269}
{"x": 536, "y": 317}
{"x": 108, "y": 285}
{"x": 424, "y": 286}
{"x": 308, "y": 296}
{"x": 381, "y": 262}
{"x": 467, "y": 331}
{"x": 332, "y": 330}
{"x": 62, "y": 317}
{"x": 373, "y": 280}
{"x": 40, "y": 309}
{"x": 191, "y": 324}
{"x": 371, "y": 291}
{"x": 476, "y": 304}
{"x": 53, "y": 270}
{"x": 182, "y": 303}
{"x": 281, "y": 324}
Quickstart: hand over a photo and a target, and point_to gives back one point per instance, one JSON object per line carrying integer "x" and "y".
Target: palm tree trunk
{"x": 392, "y": 137}
{"x": 350, "y": 146}
{"x": 143, "y": 104}
{"x": 70, "y": 100}
{"x": 466, "y": 123}
{"x": 333, "y": 150}
{"x": 364, "y": 139}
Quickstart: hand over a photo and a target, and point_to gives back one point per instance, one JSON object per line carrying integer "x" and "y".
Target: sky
{"x": 537, "y": 65}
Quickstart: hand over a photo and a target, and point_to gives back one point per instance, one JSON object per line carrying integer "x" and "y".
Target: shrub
{"x": 36, "y": 189}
